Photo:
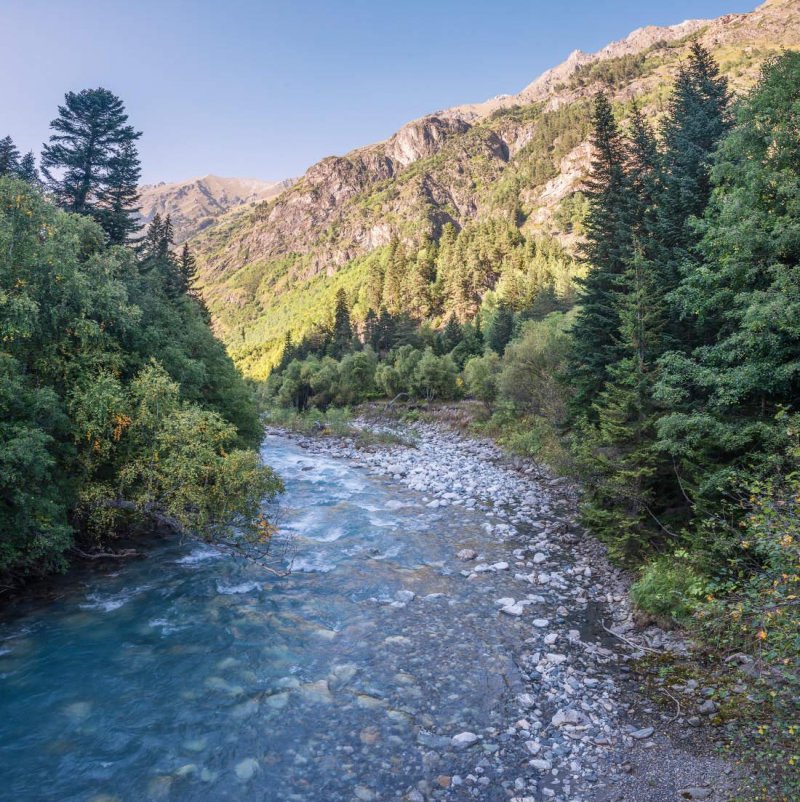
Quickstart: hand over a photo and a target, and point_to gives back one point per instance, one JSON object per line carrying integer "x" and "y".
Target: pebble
{"x": 640, "y": 735}
{"x": 464, "y": 740}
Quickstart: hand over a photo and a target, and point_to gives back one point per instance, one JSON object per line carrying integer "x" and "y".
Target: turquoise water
{"x": 196, "y": 676}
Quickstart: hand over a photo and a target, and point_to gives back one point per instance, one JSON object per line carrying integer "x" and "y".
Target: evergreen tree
{"x": 342, "y": 338}
{"x": 500, "y": 329}
{"x": 117, "y": 202}
{"x": 394, "y": 277}
{"x": 151, "y": 246}
{"x": 9, "y": 157}
{"x": 449, "y": 337}
{"x": 727, "y": 393}
{"x": 90, "y": 136}
{"x": 621, "y": 466}
{"x": 607, "y": 250}
{"x": 187, "y": 266}
{"x": 697, "y": 118}
{"x": 27, "y": 169}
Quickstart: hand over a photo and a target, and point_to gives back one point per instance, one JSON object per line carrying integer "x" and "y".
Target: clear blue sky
{"x": 264, "y": 88}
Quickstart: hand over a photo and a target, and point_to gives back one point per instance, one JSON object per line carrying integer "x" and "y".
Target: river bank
{"x": 588, "y": 729}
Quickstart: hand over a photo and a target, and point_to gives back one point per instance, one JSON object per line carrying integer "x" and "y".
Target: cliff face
{"x": 519, "y": 154}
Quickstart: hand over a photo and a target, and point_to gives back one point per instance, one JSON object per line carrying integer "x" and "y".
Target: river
{"x": 379, "y": 668}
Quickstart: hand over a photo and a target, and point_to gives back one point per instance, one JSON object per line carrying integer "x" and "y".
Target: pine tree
{"x": 118, "y": 201}
{"x": 727, "y": 392}
{"x": 393, "y": 278}
{"x": 187, "y": 266}
{"x": 500, "y": 329}
{"x": 697, "y": 118}
{"x": 90, "y": 133}
{"x": 151, "y": 246}
{"x": 618, "y": 453}
{"x": 342, "y": 339}
{"x": 9, "y": 157}
{"x": 27, "y": 169}
{"x": 608, "y": 247}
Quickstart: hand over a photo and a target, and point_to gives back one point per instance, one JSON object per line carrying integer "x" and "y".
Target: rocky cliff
{"x": 523, "y": 154}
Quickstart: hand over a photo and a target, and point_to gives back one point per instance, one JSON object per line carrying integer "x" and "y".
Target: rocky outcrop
{"x": 198, "y": 203}
{"x": 506, "y": 155}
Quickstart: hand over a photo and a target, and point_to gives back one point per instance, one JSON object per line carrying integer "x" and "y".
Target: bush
{"x": 480, "y": 377}
{"x": 532, "y": 363}
{"x": 669, "y": 588}
{"x": 435, "y": 377}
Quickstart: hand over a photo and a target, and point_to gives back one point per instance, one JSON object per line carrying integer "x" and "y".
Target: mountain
{"x": 275, "y": 266}
{"x": 197, "y": 203}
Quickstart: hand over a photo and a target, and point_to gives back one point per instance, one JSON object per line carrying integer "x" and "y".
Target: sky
{"x": 265, "y": 88}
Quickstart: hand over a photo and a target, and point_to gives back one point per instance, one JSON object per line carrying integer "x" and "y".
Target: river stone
{"x": 405, "y": 595}
{"x": 246, "y": 768}
{"x": 513, "y": 609}
{"x": 539, "y": 557}
{"x": 464, "y": 740}
{"x": 541, "y": 623}
{"x": 467, "y": 554}
{"x": 640, "y": 735}
{"x": 696, "y": 792}
{"x": 707, "y": 708}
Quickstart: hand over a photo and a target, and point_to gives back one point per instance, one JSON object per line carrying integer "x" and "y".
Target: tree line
{"x": 670, "y": 389}
{"x": 120, "y": 410}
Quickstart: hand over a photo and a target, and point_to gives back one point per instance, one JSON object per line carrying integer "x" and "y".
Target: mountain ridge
{"x": 196, "y": 203}
{"x": 522, "y": 155}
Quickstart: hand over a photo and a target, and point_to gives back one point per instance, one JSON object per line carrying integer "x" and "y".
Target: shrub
{"x": 669, "y": 588}
{"x": 480, "y": 377}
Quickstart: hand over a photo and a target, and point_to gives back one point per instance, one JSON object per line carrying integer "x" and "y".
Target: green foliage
{"x": 118, "y": 405}
{"x": 91, "y": 164}
{"x": 669, "y": 588}
{"x": 480, "y": 377}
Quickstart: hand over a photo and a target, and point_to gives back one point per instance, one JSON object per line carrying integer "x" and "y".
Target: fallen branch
{"x": 631, "y": 643}
{"x": 677, "y": 706}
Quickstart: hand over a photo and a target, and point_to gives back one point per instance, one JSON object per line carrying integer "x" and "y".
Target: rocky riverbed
{"x": 578, "y": 728}
{"x": 447, "y": 633}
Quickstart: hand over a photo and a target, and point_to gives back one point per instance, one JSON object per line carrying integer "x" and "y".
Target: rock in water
{"x": 464, "y": 740}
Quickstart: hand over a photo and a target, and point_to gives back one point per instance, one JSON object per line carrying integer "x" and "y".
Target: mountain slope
{"x": 275, "y": 266}
{"x": 197, "y": 203}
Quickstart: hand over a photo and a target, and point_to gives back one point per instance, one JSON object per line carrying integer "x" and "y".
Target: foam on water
{"x": 242, "y": 587}
{"x": 198, "y": 555}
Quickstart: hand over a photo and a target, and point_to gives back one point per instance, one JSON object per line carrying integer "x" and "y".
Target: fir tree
{"x": 27, "y": 169}
{"x": 9, "y": 157}
{"x": 618, "y": 453}
{"x": 342, "y": 336}
{"x": 89, "y": 135}
{"x": 697, "y": 118}
{"x": 500, "y": 329}
{"x": 608, "y": 247}
{"x": 393, "y": 278}
{"x": 187, "y": 266}
{"x": 118, "y": 201}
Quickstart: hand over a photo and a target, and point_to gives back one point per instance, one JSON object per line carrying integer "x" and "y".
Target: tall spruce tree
{"x": 27, "y": 169}
{"x": 88, "y": 153}
{"x": 697, "y": 118}
{"x": 746, "y": 298}
{"x": 342, "y": 337}
{"x": 187, "y": 266}
{"x": 118, "y": 201}
{"x": 607, "y": 250}
{"x": 9, "y": 157}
